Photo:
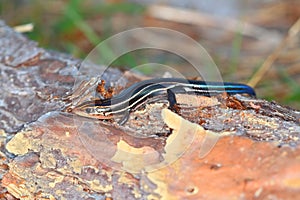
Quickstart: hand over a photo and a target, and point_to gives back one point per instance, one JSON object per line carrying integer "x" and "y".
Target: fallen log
{"x": 225, "y": 147}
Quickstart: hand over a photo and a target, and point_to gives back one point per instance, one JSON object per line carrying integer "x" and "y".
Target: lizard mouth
{"x": 88, "y": 112}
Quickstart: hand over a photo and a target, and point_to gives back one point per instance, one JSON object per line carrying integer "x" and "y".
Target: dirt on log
{"x": 225, "y": 147}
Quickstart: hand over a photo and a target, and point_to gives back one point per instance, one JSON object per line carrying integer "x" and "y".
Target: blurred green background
{"x": 238, "y": 34}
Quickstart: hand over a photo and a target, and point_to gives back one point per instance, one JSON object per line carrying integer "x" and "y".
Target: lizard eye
{"x": 89, "y": 110}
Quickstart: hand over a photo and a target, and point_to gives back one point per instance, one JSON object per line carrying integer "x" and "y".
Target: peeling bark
{"x": 252, "y": 145}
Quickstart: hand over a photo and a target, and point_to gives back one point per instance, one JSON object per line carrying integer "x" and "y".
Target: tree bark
{"x": 224, "y": 147}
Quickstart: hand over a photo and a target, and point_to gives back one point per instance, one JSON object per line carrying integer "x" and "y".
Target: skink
{"x": 140, "y": 92}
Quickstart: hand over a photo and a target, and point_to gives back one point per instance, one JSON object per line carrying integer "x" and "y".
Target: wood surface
{"x": 222, "y": 148}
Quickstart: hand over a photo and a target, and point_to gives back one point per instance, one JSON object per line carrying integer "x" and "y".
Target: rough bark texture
{"x": 47, "y": 153}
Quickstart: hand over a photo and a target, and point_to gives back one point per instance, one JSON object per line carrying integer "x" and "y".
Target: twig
{"x": 293, "y": 31}
{"x": 24, "y": 28}
{"x": 201, "y": 19}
